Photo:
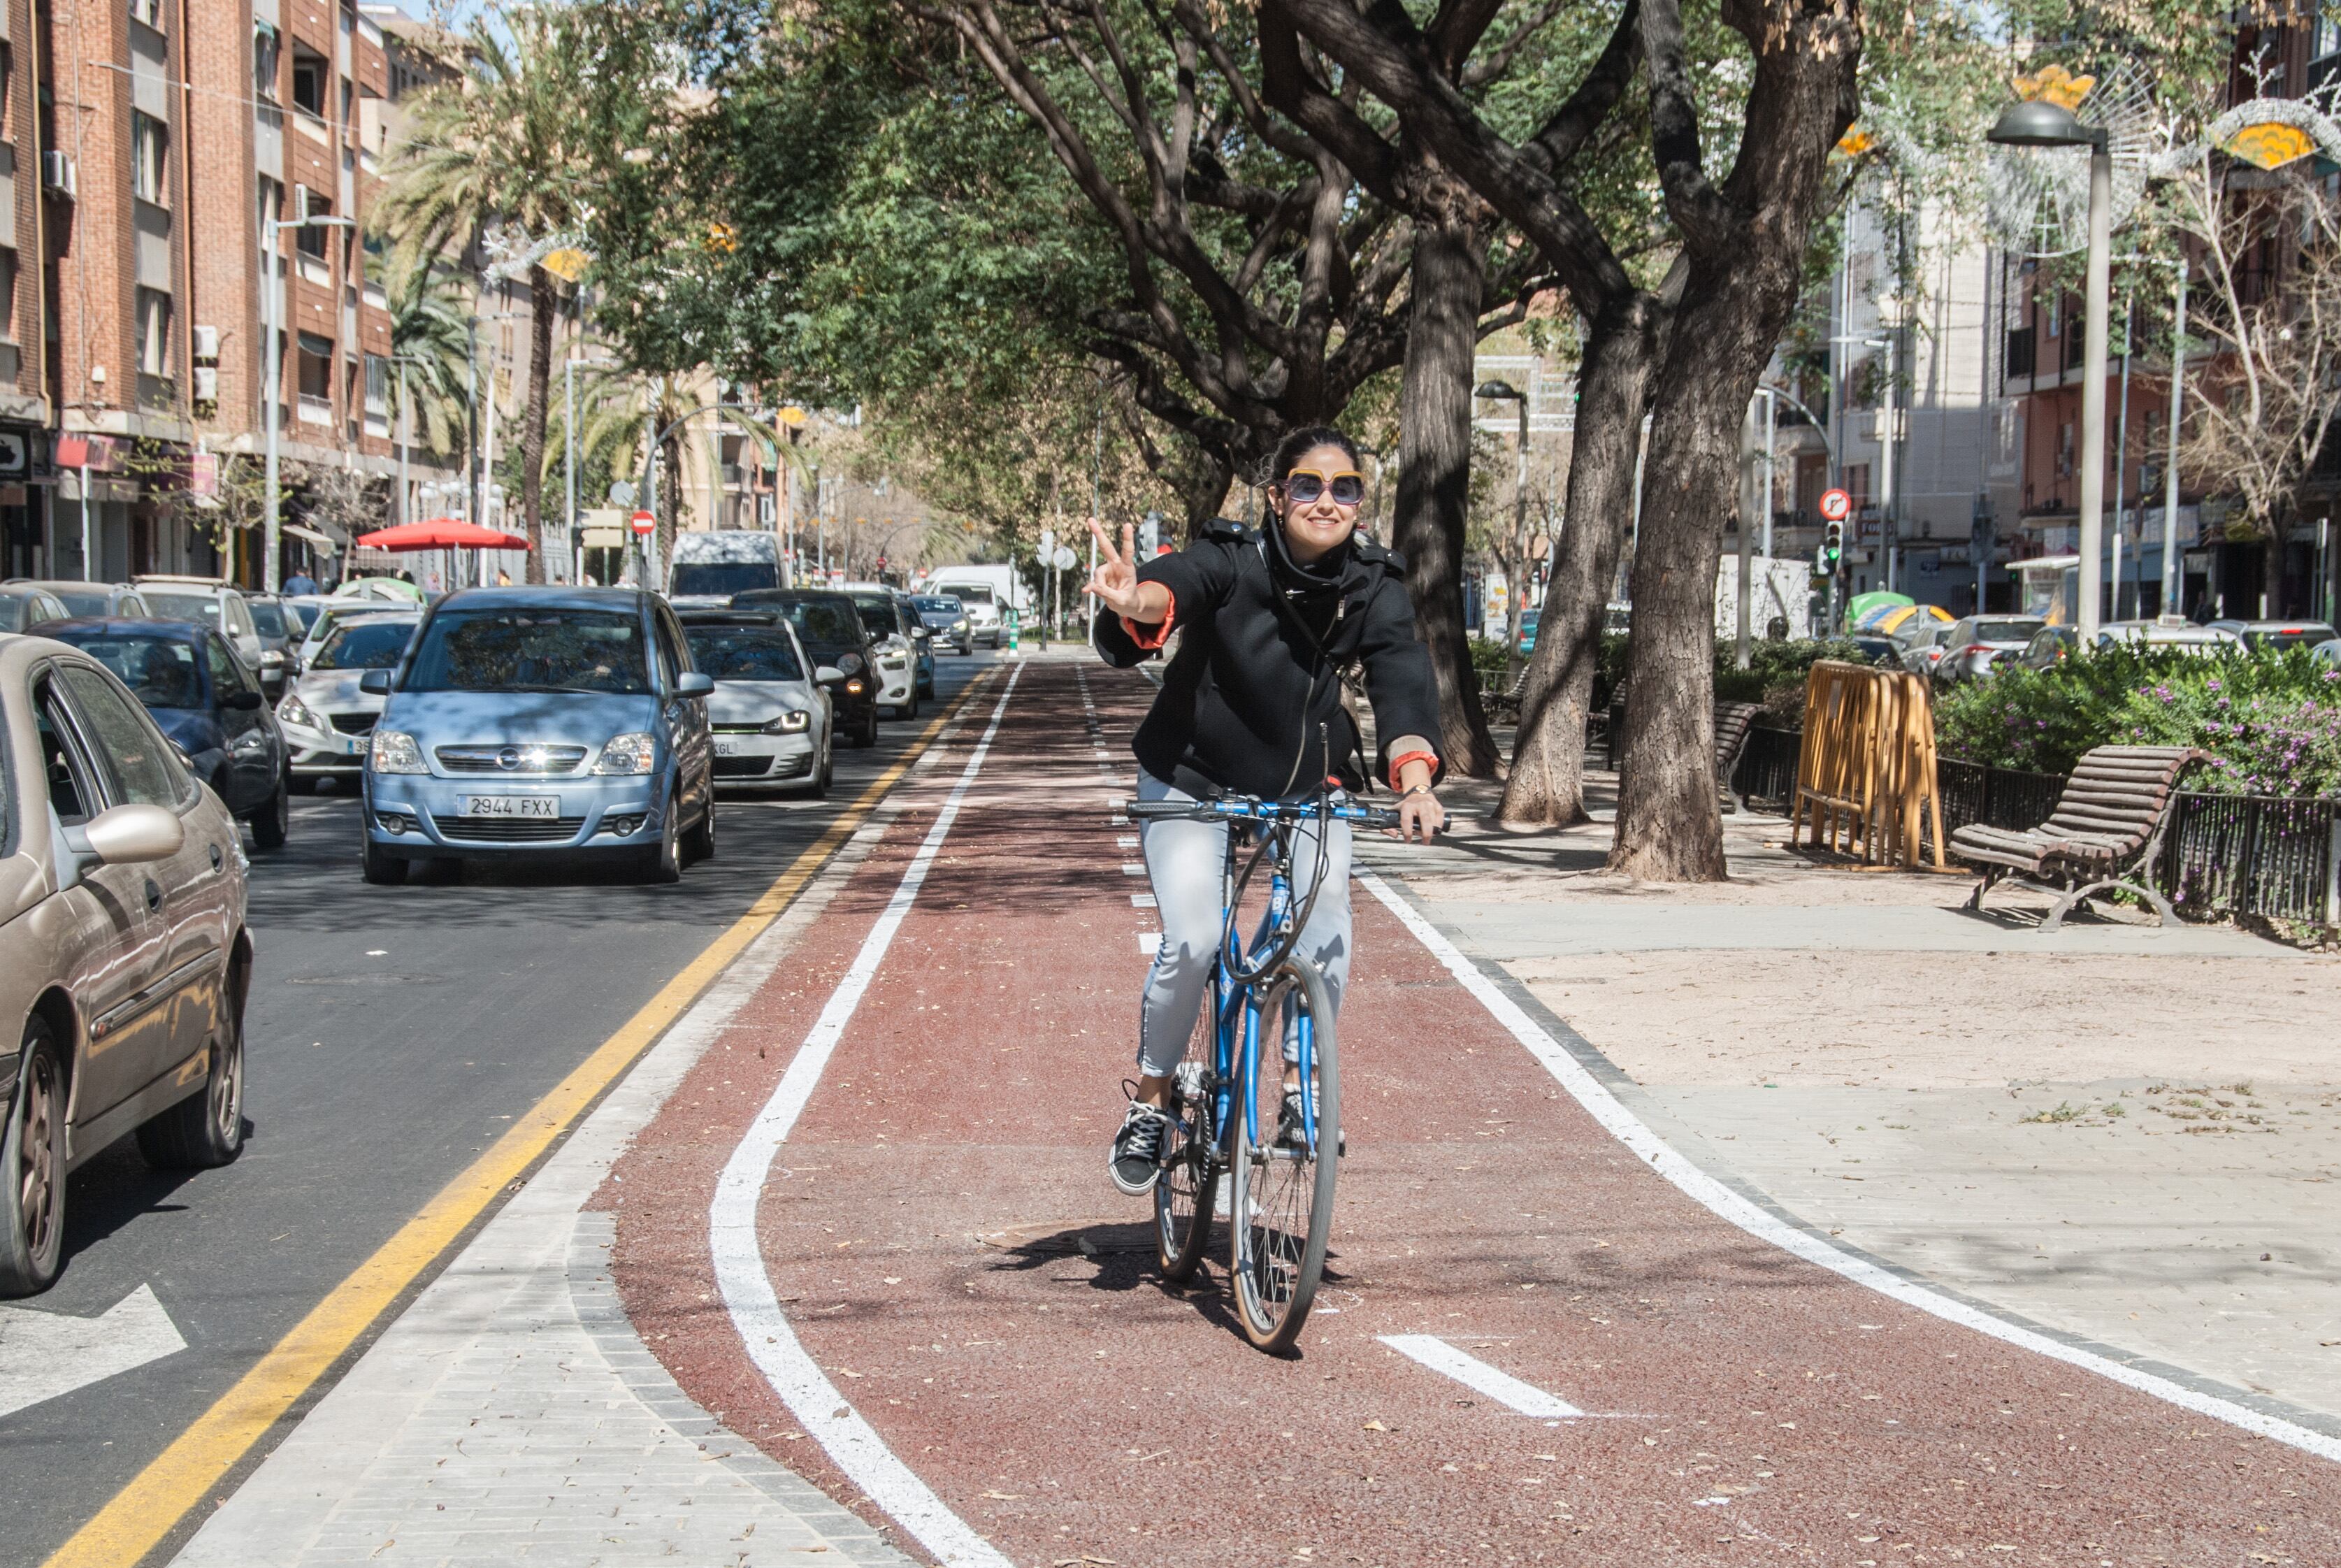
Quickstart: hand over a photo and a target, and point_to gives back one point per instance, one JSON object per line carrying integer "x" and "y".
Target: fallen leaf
{"x": 1005, "y": 1496}
{"x": 893, "y": 1279}
{"x": 1376, "y": 1426}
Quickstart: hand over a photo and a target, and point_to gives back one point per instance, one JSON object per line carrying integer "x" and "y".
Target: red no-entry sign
{"x": 644, "y": 521}
{"x": 1836, "y": 505}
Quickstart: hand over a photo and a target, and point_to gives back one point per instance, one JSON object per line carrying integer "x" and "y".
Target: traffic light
{"x": 1832, "y": 549}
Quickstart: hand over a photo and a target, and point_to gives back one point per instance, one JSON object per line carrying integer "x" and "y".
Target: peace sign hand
{"x": 1114, "y": 583}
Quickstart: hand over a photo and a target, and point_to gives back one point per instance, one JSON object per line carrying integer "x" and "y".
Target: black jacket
{"x": 1253, "y": 681}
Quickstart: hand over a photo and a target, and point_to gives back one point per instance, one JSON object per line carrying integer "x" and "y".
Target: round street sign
{"x": 1836, "y": 505}
{"x": 1064, "y": 558}
{"x": 644, "y": 523}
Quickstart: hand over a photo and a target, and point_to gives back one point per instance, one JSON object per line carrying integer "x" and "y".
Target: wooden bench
{"x": 1734, "y": 723}
{"x": 1506, "y": 703}
{"x": 2106, "y": 832}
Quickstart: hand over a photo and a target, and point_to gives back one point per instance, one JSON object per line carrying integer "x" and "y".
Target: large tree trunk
{"x": 1547, "y": 786}
{"x": 532, "y": 429}
{"x": 1434, "y": 484}
{"x": 669, "y": 503}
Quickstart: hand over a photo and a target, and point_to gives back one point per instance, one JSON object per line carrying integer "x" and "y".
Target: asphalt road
{"x": 393, "y": 1033}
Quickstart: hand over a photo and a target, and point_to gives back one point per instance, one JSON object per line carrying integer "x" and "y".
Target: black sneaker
{"x": 1289, "y": 1135}
{"x": 1137, "y": 1157}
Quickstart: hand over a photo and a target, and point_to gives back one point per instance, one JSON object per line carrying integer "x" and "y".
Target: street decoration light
{"x": 2044, "y": 122}
{"x": 1501, "y": 391}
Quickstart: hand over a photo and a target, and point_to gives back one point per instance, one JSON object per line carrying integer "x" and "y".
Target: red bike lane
{"x": 940, "y": 1234}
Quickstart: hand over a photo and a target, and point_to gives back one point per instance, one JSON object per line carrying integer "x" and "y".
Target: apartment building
{"x": 151, "y": 149}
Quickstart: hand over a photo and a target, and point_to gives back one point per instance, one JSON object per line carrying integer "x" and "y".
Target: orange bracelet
{"x": 1397, "y": 762}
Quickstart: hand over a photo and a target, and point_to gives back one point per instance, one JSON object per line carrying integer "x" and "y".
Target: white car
{"x": 984, "y": 623}
{"x": 206, "y": 601}
{"x": 328, "y": 721}
{"x": 892, "y": 644}
{"x": 768, "y": 713}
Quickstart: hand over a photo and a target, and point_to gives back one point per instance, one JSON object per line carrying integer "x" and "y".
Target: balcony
{"x": 314, "y": 269}
{"x": 374, "y": 294}
{"x": 316, "y": 409}
{"x": 313, "y": 127}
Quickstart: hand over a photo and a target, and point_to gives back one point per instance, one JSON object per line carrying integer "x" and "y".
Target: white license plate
{"x": 727, "y": 747}
{"x": 544, "y": 805}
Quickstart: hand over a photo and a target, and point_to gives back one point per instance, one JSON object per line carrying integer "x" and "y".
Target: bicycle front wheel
{"x": 1185, "y": 1192}
{"x": 1280, "y": 1195}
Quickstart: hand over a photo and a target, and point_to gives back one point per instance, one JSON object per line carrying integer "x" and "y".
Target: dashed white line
{"x": 1480, "y": 1377}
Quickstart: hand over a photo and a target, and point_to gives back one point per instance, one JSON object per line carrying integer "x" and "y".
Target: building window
{"x": 377, "y": 383}
{"x": 150, "y": 12}
{"x": 8, "y": 296}
{"x": 311, "y": 237}
{"x": 150, "y": 150}
{"x": 309, "y": 84}
{"x": 266, "y": 45}
{"x": 2020, "y": 356}
{"x": 153, "y": 332}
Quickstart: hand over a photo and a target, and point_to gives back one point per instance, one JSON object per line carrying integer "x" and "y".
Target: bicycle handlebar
{"x": 1250, "y": 808}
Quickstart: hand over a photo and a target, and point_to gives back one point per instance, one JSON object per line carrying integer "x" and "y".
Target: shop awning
{"x": 325, "y": 542}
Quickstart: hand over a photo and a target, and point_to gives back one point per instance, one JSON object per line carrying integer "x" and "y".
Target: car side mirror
{"x": 127, "y": 835}
{"x": 691, "y": 684}
{"x": 244, "y": 702}
{"x": 829, "y": 676}
{"x": 375, "y": 683}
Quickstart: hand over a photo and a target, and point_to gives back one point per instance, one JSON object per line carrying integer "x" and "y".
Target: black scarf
{"x": 1313, "y": 591}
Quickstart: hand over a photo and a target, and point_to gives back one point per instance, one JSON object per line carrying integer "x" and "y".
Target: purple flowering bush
{"x": 2271, "y": 721}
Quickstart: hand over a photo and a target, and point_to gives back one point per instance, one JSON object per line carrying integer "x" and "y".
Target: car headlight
{"x": 394, "y": 752}
{"x": 633, "y": 753}
{"x": 794, "y": 722}
{"x": 850, "y": 664}
{"x": 853, "y": 688}
{"x": 292, "y": 710}
{"x": 959, "y": 625}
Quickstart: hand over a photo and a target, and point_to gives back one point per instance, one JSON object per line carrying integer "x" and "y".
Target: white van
{"x": 711, "y": 566}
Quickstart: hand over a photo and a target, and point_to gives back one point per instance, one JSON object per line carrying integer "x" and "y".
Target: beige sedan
{"x": 123, "y": 957}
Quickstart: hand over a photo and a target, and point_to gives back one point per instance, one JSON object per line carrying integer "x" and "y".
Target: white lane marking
{"x": 1150, "y": 942}
{"x": 1127, "y": 841}
{"x": 1133, "y": 868}
{"x": 1141, "y": 901}
{"x": 1628, "y": 1129}
{"x": 44, "y": 1354}
{"x": 1476, "y": 1375}
{"x": 740, "y": 1272}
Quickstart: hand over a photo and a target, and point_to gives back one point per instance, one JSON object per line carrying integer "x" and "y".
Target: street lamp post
{"x": 273, "y": 299}
{"x": 2036, "y": 123}
{"x": 1505, "y": 392}
{"x": 569, "y": 455}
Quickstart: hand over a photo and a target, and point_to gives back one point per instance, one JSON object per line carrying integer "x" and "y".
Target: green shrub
{"x": 2272, "y": 721}
{"x": 1487, "y": 659}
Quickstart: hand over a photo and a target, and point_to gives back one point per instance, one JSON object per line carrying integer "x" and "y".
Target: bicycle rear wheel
{"x": 1185, "y": 1193}
{"x": 1280, "y": 1198}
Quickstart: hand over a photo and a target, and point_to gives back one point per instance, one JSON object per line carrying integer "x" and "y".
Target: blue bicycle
{"x": 1225, "y": 1110}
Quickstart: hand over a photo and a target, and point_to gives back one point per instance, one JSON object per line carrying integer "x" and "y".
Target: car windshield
{"x": 530, "y": 649}
{"x": 17, "y": 611}
{"x": 707, "y": 579}
{"x": 270, "y": 619}
{"x": 877, "y": 615}
{"x": 971, "y": 593}
{"x": 202, "y": 610}
{"x": 933, "y": 606}
{"x": 2006, "y": 631}
{"x": 2303, "y": 636}
{"x": 743, "y": 653}
{"x": 363, "y": 645}
{"x": 87, "y": 601}
{"x": 161, "y": 672}
{"x": 823, "y": 621}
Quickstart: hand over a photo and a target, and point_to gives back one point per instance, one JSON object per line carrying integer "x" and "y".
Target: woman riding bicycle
{"x": 1251, "y": 705}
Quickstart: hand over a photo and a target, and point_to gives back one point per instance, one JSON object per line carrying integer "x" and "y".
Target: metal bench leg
{"x": 1990, "y": 875}
{"x": 2164, "y": 913}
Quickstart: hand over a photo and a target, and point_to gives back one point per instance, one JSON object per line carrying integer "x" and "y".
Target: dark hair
{"x": 1298, "y": 443}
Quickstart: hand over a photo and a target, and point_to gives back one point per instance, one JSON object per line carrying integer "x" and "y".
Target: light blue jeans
{"x": 1185, "y": 860}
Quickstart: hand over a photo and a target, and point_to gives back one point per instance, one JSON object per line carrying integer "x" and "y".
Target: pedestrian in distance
{"x": 1251, "y": 704}
{"x": 300, "y": 583}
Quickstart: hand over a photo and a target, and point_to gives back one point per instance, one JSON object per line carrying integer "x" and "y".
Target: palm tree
{"x": 619, "y": 407}
{"x": 428, "y": 329}
{"x": 499, "y": 146}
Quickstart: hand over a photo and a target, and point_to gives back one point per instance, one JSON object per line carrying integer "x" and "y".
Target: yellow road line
{"x": 150, "y": 1507}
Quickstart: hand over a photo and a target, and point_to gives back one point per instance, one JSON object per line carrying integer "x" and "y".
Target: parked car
{"x": 117, "y": 599}
{"x": 771, "y": 711}
{"x": 890, "y": 628}
{"x": 388, "y": 590}
{"x": 1524, "y": 639}
{"x": 2258, "y": 635}
{"x": 2170, "y": 631}
{"x": 1876, "y": 647}
{"x": 946, "y": 622}
{"x": 531, "y": 723}
{"x": 124, "y": 962}
{"x": 24, "y": 606}
{"x": 2049, "y": 645}
{"x": 2328, "y": 653}
{"x": 1921, "y": 645}
{"x": 1972, "y": 643}
{"x": 830, "y": 629}
{"x": 978, "y": 601}
{"x": 207, "y": 602}
{"x": 922, "y": 644}
{"x": 328, "y": 721}
{"x": 209, "y": 702}
{"x": 707, "y": 567}
{"x": 282, "y": 630}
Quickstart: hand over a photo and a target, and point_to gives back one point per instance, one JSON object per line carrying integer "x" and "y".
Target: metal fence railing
{"x": 2265, "y": 856}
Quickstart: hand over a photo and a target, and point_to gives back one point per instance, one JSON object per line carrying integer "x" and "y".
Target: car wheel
{"x": 820, "y": 773}
{"x": 273, "y": 822}
{"x": 664, "y": 862}
{"x": 33, "y": 1170}
{"x": 910, "y": 710}
{"x": 869, "y": 736}
{"x": 699, "y": 844}
{"x": 378, "y": 865}
{"x": 205, "y": 1129}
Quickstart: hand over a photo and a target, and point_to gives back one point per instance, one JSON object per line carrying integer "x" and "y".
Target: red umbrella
{"x": 440, "y": 534}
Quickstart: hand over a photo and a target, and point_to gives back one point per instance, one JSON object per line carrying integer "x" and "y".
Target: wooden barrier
{"x": 1866, "y": 775}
